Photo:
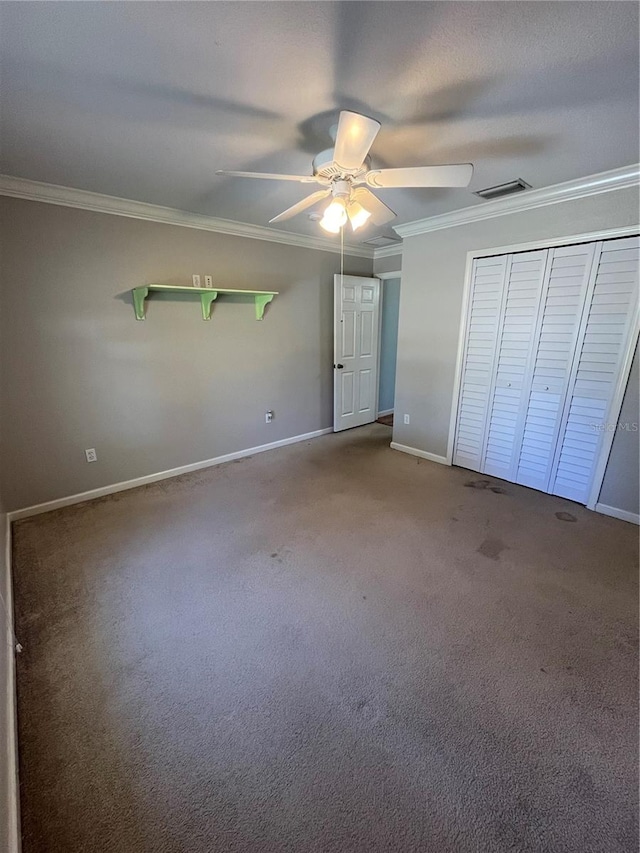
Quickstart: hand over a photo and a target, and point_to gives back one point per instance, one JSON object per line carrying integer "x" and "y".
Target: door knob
{"x": 339, "y": 366}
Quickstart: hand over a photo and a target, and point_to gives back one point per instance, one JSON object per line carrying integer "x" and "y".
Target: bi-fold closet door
{"x": 546, "y": 333}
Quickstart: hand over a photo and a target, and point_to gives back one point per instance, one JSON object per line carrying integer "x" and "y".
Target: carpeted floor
{"x": 328, "y": 648}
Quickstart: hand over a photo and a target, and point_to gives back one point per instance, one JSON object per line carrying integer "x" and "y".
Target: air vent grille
{"x": 381, "y": 241}
{"x": 501, "y": 190}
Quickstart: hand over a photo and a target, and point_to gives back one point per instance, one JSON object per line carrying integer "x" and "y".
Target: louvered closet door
{"x": 563, "y": 299}
{"x": 485, "y": 308}
{"x": 526, "y": 276}
{"x": 604, "y": 337}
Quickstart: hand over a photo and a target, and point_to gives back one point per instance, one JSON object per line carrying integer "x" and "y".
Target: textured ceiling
{"x": 147, "y": 100}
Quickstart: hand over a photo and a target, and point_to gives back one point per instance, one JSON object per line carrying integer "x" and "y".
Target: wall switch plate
{"x": 268, "y": 418}
{"x": 196, "y": 280}
{"x": 407, "y": 419}
{"x": 208, "y": 281}
{"x": 91, "y": 454}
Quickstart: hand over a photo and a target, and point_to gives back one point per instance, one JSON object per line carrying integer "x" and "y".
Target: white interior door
{"x": 485, "y": 308}
{"x": 356, "y": 343}
{"x": 607, "y": 326}
{"x": 567, "y": 291}
{"x": 514, "y": 350}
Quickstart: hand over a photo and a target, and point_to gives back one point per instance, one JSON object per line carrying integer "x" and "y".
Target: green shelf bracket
{"x": 139, "y": 295}
{"x": 207, "y": 295}
{"x": 262, "y": 300}
{"x": 206, "y": 300}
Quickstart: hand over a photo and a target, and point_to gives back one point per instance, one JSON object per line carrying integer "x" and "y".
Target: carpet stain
{"x": 491, "y": 548}
{"x": 565, "y": 516}
{"x": 478, "y": 484}
{"x": 485, "y": 485}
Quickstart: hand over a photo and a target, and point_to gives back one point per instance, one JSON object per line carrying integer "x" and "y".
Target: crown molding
{"x": 388, "y": 251}
{"x": 98, "y": 203}
{"x": 615, "y": 179}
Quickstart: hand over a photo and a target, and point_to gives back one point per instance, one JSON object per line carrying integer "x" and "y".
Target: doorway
{"x": 366, "y": 314}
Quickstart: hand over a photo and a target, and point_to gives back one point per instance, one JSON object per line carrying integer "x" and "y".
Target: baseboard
{"x": 432, "y": 457}
{"x": 11, "y": 769}
{"x": 28, "y": 511}
{"x": 385, "y": 412}
{"x": 622, "y": 514}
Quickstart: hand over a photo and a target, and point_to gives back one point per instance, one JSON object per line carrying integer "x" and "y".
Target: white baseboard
{"x": 28, "y": 511}
{"x": 432, "y": 457}
{"x": 385, "y": 412}
{"x": 12, "y": 805}
{"x": 622, "y": 514}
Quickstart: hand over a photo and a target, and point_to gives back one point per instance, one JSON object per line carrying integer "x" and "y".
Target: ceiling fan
{"x": 344, "y": 173}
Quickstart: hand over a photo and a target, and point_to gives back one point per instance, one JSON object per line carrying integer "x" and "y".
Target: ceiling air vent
{"x": 501, "y": 190}
{"x": 381, "y": 241}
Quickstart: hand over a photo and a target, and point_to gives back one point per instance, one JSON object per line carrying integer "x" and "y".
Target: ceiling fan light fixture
{"x": 358, "y": 216}
{"x": 335, "y": 216}
{"x": 331, "y": 227}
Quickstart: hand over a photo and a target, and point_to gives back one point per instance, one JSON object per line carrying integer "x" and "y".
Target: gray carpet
{"x": 329, "y": 647}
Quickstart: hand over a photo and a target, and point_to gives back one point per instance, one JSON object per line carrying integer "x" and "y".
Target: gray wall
{"x": 433, "y": 267}
{"x": 620, "y": 487}
{"x": 79, "y": 371}
{"x": 5, "y": 663}
{"x": 392, "y": 263}
{"x": 5, "y": 652}
{"x": 388, "y": 343}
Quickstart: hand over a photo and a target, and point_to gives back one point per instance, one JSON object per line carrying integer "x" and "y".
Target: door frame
{"x": 623, "y": 377}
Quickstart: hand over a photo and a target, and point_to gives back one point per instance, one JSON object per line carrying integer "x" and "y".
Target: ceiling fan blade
{"x": 354, "y": 138}
{"x": 309, "y": 201}
{"x": 380, "y": 213}
{"x": 268, "y": 176}
{"x": 422, "y": 176}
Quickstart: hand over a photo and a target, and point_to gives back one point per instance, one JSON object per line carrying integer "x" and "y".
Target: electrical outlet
{"x": 268, "y": 417}
{"x": 407, "y": 419}
{"x": 208, "y": 281}
{"x": 91, "y": 454}
{"x": 196, "y": 280}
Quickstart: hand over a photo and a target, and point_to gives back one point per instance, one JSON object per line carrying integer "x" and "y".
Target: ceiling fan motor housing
{"x": 324, "y": 166}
